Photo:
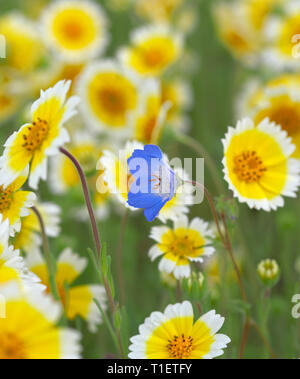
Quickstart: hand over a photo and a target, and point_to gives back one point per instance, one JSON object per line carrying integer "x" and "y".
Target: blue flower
{"x": 154, "y": 181}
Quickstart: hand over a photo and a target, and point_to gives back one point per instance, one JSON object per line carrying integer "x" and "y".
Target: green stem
{"x": 48, "y": 257}
{"x": 95, "y": 258}
{"x": 119, "y": 256}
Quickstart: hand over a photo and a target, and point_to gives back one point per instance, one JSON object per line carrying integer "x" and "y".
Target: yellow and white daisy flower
{"x": 29, "y": 239}
{"x": 151, "y": 114}
{"x": 55, "y": 72}
{"x": 9, "y": 104}
{"x": 15, "y": 203}
{"x": 30, "y": 329}
{"x": 12, "y": 265}
{"x": 78, "y": 299}
{"x": 37, "y": 140}
{"x": 157, "y": 10}
{"x": 154, "y": 49}
{"x": 25, "y": 49}
{"x": 77, "y": 30}
{"x": 258, "y": 165}
{"x": 174, "y": 335}
{"x": 178, "y": 94}
{"x": 109, "y": 96}
{"x": 64, "y": 175}
{"x": 257, "y": 11}
{"x": 282, "y": 106}
{"x": 282, "y": 37}
{"x": 255, "y": 95}
{"x": 237, "y": 34}
{"x": 185, "y": 243}
{"x": 115, "y": 171}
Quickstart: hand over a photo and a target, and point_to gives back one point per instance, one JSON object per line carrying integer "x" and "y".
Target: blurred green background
{"x": 216, "y": 83}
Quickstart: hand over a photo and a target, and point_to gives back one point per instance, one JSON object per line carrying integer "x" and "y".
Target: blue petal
{"x": 151, "y": 213}
{"x": 143, "y": 200}
{"x": 153, "y": 151}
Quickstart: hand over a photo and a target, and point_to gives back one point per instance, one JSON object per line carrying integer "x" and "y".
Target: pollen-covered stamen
{"x": 11, "y": 347}
{"x": 182, "y": 246}
{"x": 157, "y": 180}
{"x": 35, "y": 134}
{"x": 180, "y": 347}
{"x": 5, "y": 199}
{"x": 249, "y": 167}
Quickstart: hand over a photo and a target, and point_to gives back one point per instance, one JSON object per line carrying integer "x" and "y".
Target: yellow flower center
{"x": 5, "y": 198}
{"x": 35, "y": 134}
{"x": 182, "y": 246}
{"x": 180, "y": 347}
{"x": 249, "y": 167}
{"x": 113, "y": 100}
{"x": 11, "y": 347}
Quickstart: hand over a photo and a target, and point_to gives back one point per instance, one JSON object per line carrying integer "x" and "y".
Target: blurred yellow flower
{"x": 236, "y": 32}
{"x": 15, "y": 203}
{"x": 109, "y": 96}
{"x": 282, "y": 107}
{"x": 77, "y": 30}
{"x": 151, "y": 114}
{"x": 153, "y": 50}
{"x": 25, "y": 49}
{"x": 29, "y": 239}
{"x": 29, "y": 330}
{"x": 37, "y": 140}
{"x": 282, "y": 34}
{"x": 77, "y": 299}
{"x": 157, "y": 10}
{"x": 115, "y": 171}
{"x": 258, "y": 165}
{"x": 12, "y": 265}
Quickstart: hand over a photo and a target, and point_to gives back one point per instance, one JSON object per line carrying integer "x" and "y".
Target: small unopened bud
{"x": 196, "y": 279}
{"x": 269, "y": 272}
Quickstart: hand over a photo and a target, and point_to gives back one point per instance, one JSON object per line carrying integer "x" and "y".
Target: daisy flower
{"x": 282, "y": 105}
{"x": 25, "y": 49}
{"x": 282, "y": 36}
{"x": 63, "y": 174}
{"x": 77, "y": 30}
{"x": 115, "y": 171}
{"x": 174, "y": 335}
{"x": 15, "y": 203}
{"x": 185, "y": 243}
{"x": 40, "y": 138}
{"x": 236, "y": 32}
{"x": 179, "y": 95}
{"x": 29, "y": 239}
{"x": 78, "y": 300}
{"x": 109, "y": 96}
{"x": 12, "y": 265}
{"x": 257, "y": 11}
{"x": 151, "y": 114}
{"x": 29, "y": 330}
{"x": 154, "y": 49}
{"x": 258, "y": 165}
{"x": 157, "y": 10}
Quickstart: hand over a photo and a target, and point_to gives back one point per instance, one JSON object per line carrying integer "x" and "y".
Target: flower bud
{"x": 269, "y": 272}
